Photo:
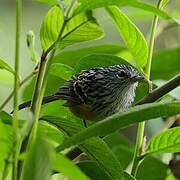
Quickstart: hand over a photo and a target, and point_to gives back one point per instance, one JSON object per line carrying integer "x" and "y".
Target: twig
{"x": 161, "y": 91}
{"x": 20, "y": 84}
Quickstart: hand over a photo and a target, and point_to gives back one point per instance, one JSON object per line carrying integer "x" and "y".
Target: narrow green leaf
{"x": 92, "y": 169}
{"x": 93, "y": 4}
{"x": 51, "y": 27}
{"x": 38, "y": 163}
{"x": 95, "y": 173}
{"x": 61, "y": 70}
{"x": 165, "y": 64}
{"x": 80, "y": 28}
{"x": 68, "y": 168}
{"x": 131, "y": 35}
{"x": 123, "y": 119}
{"x": 98, "y": 60}
{"x": 5, "y": 66}
{"x": 95, "y": 148}
{"x": 71, "y": 57}
{"x": 168, "y": 141}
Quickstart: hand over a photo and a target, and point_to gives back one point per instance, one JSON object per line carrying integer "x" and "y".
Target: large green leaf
{"x": 5, "y": 66}
{"x": 152, "y": 168}
{"x": 68, "y": 168}
{"x": 92, "y": 4}
{"x": 38, "y": 162}
{"x": 80, "y": 28}
{"x": 71, "y": 57}
{"x": 62, "y": 71}
{"x": 95, "y": 148}
{"x": 123, "y": 119}
{"x": 51, "y": 27}
{"x": 131, "y": 35}
{"x": 98, "y": 60}
{"x": 165, "y": 64}
{"x": 168, "y": 141}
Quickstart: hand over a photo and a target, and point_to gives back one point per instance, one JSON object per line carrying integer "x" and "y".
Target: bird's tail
{"x": 46, "y": 99}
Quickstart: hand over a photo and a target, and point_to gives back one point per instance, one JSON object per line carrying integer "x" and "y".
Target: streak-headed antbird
{"x": 97, "y": 93}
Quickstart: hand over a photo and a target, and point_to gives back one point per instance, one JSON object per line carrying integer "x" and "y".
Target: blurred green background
{"x": 32, "y": 17}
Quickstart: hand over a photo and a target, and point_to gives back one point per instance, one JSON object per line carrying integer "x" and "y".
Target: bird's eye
{"x": 121, "y": 74}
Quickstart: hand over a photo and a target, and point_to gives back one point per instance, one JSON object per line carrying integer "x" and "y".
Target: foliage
{"x": 52, "y": 131}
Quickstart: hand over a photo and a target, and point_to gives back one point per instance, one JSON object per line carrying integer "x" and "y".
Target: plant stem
{"x": 141, "y": 126}
{"x": 20, "y": 84}
{"x": 45, "y": 70}
{"x": 16, "y": 88}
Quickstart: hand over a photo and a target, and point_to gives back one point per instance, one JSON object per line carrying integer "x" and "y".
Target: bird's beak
{"x": 137, "y": 78}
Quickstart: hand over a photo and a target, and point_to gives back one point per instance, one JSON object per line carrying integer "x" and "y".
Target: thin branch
{"x": 161, "y": 91}
{"x": 20, "y": 85}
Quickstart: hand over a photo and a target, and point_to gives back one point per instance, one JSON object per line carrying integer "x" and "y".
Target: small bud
{"x": 31, "y": 45}
{"x": 30, "y": 38}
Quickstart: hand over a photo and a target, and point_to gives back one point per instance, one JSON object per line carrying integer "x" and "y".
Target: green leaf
{"x": 165, "y": 64}
{"x": 53, "y": 85}
{"x": 152, "y": 168}
{"x": 51, "y": 2}
{"x": 123, "y": 119}
{"x": 6, "y": 139}
{"x": 95, "y": 148}
{"x": 92, "y": 170}
{"x": 37, "y": 165}
{"x": 80, "y": 28}
{"x": 121, "y": 147}
{"x": 68, "y": 168}
{"x": 51, "y": 27}
{"x": 71, "y": 57}
{"x": 5, "y": 66}
{"x": 131, "y": 35}
{"x": 98, "y": 60}
{"x": 166, "y": 142}
{"x": 61, "y": 70}
{"x": 95, "y": 173}
{"x": 50, "y": 132}
{"x": 92, "y": 4}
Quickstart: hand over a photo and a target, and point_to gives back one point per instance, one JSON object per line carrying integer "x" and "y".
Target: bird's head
{"x": 127, "y": 74}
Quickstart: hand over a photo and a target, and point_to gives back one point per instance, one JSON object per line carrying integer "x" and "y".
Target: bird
{"x": 96, "y": 93}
